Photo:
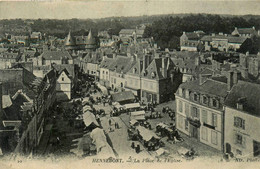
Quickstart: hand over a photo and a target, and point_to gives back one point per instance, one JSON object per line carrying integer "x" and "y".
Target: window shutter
{"x": 244, "y": 141}
{"x": 235, "y": 138}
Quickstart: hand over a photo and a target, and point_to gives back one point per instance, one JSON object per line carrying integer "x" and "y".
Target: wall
{"x": 181, "y": 116}
{"x": 250, "y": 133}
{"x": 11, "y": 75}
{"x": 63, "y": 87}
{"x": 133, "y": 82}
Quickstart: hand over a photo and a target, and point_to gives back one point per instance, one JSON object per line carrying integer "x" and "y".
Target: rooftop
{"x": 251, "y": 93}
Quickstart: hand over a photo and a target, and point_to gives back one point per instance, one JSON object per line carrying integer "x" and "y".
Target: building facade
{"x": 242, "y": 119}
{"x": 199, "y": 111}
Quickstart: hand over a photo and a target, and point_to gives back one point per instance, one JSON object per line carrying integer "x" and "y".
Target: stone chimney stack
{"x": 197, "y": 61}
{"x": 164, "y": 68}
{"x": 230, "y": 80}
{"x": 114, "y": 55}
{"x": 145, "y": 62}
{"x": 236, "y": 76}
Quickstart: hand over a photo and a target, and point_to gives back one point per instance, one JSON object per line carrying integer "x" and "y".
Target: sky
{"x": 83, "y": 9}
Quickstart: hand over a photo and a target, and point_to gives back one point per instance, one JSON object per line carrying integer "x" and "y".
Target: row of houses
{"x": 221, "y": 111}
{"x": 26, "y": 102}
{"x": 150, "y": 78}
{"x": 240, "y": 38}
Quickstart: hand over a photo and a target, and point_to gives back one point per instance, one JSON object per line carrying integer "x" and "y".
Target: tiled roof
{"x": 127, "y": 31}
{"x": 122, "y": 64}
{"x": 70, "y": 41}
{"x": 106, "y": 62}
{"x": 92, "y": 57}
{"x": 231, "y": 39}
{"x": 90, "y": 40}
{"x": 139, "y": 31}
{"x": 10, "y": 55}
{"x": 246, "y": 30}
{"x": 80, "y": 40}
{"x": 68, "y": 67}
{"x": 155, "y": 68}
{"x": 56, "y": 55}
{"x": 251, "y": 94}
{"x": 210, "y": 87}
{"x": 192, "y": 35}
{"x": 6, "y": 101}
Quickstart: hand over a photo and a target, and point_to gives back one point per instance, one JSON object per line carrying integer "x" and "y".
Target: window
{"x": 239, "y": 152}
{"x": 204, "y": 100}
{"x": 187, "y": 95}
{"x": 204, "y": 116}
{"x": 62, "y": 79}
{"x": 180, "y": 92}
{"x": 103, "y": 72}
{"x": 214, "y": 103}
{"x": 180, "y": 106}
{"x": 214, "y": 120}
{"x": 214, "y": 137}
{"x": 238, "y": 139}
{"x": 115, "y": 80}
{"x": 239, "y": 122}
{"x": 153, "y": 74}
{"x": 195, "y": 112}
{"x": 196, "y": 97}
{"x": 187, "y": 109}
{"x": 204, "y": 134}
{"x": 186, "y": 125}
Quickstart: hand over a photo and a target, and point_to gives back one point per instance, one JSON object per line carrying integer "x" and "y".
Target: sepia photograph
{"x": 129, "y": 83}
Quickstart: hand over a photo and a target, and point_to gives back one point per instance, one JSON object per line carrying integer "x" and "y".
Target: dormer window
{"x": 195, "y": 97}
{"x": 204, "y": 100}
{"x": 180, "y": 91}
{"x": 215, "y": 103}
{"x": 153, "y": 74}
{"x": 134, "y": 70}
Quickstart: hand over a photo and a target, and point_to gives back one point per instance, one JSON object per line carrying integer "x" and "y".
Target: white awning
{"x": 132, "y": 105}
{"x": 138, "y": 113}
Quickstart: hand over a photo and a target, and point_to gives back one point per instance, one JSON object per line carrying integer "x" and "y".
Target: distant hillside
{"x": 60, "y": 28}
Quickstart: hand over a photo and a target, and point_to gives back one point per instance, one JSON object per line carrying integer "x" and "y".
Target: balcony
{"x": 194, "y": 122}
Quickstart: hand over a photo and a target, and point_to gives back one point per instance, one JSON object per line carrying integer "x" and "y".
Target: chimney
{"x": 253, "y": 27}
{"x": 240, "y": 103}
{"x": 236, "y": 77}
{"x": 140, "y": 65}
{"x": 114, "y": 55}
{"x": 244, "y": 73}
{"x": 163, "y": 69}
{"x": 230, "y": 80}
{"x": 197, "y": 61}
{"x": 202, "y": 78}
{"x": 145, "y": 62}
{"x": 104, "y": 57}
{"x": 133, "y": 57}
{"x": 247, "y": 53}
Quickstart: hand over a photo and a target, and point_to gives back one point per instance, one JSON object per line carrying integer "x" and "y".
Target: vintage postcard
{"x": 129, "y": 83}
